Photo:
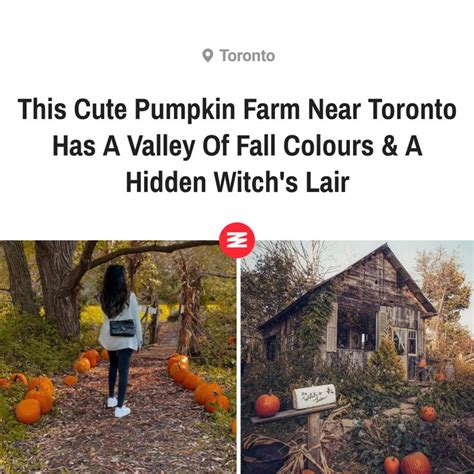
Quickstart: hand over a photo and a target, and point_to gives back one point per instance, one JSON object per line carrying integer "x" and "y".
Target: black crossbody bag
{"x": 122, "y": 328}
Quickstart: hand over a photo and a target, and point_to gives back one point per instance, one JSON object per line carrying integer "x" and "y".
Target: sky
{"x": 341, "y": 254}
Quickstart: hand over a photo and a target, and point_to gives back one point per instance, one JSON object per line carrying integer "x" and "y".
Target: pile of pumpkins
{"x": 207, "y": 394}
{"x": 413, "y": 463}
{"x": 88, "y": 360}
{"x": 38, "y": 399}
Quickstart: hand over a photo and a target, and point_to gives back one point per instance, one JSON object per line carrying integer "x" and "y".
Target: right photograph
{"x": 357, "y": 357}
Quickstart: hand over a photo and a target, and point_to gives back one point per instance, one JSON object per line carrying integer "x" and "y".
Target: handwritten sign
{"x": 313, "y": 396}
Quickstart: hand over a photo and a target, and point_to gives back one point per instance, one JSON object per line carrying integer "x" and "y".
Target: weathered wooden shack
{"x": 374, "y": 296}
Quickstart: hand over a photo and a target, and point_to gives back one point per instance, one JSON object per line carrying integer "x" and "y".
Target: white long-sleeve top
{"x": 116, "y": 343}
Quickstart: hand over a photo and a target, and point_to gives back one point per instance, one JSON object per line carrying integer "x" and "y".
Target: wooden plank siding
{"x": 371, "y": 286}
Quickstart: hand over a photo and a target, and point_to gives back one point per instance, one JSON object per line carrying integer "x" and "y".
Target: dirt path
{"x": 163, "y": 433}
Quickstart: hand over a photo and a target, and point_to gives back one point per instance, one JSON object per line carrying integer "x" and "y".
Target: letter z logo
{"x": 237, "y": 240}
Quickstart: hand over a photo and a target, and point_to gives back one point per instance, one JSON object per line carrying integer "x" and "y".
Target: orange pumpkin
{"x": 105, "y": 355}
{"x": 428, "y": 414}
{"x": 205, "y": 390}
{"x": 91, "y": 357}
{"x": 391, "y": 465}
{"x": 200, "y": 394}
{"x": 415, "y": 463}
{"x": 178, "y": 372}
{"x": 233, "y": 426}
{"x": 307, "y": 471}
{"x": 70, "y": 380}
{"x": 19, "y": 378}
{"x": 28, "y": 411}
{"x": 82, "y": 365}
{"x": 440, "y": 377}
{"x": 232, "y": 340}
{"x": 217, "y": 402}
{"x": 267, "y": 405}
{"x": 5, "y": 384}
{"x": 182, "y": 359}
{"x": 41, "y": 383}
{"x": 191, "y": 381}
{"x": 45, "y": 400}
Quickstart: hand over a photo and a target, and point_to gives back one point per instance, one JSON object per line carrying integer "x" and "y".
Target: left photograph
{"x": 117, "y": 356}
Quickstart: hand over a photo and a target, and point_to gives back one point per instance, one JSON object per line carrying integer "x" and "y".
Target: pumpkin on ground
{"x": 200, "y": 394}
{"x": 70, "y": 380}
{"x": 28, "y": 411}
{"x": 391, "y": 465}
{"x": 41, "y": 383}
{"x": 105, "y": 355}
{"x": 191, "y": 381}
{"x": 5, "y": 384}
{"x": 96, "y": 353}
{"x": 217, "y": 402}
{"x": 178, "y": 372}
{"x": 440, "y": 377}
{"x": 307, "y": 471}
{"x": 18, "y": 377}
{"x": 91, "y": 357}
{"x": 232, "y": 340}
{"x": 45, "y": 400}
{"x": 181, "y": 358}
{"x": 82, "y": 366}
{"x": 415, "y": 463}
{"x": 267, "y": 405}
{"x": 428, "y": 414}
{"x": 233, "y": 426}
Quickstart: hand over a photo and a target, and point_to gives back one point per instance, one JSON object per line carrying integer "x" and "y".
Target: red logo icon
{"x": 237, "y": 240}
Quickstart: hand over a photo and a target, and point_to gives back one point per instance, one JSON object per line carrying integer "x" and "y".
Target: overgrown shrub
{"x": 365, "y": 389}
{"x": 31, "y": 344}
{"x": 451, "y": 398}
{"x": 385, "y": 363}
{"x": 446, "y": 443}
{"x": 12, "y": 457}
{"x": 214, "y": 347}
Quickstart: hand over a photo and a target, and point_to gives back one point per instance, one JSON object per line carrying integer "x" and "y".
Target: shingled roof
{"x": 390, "y": 256}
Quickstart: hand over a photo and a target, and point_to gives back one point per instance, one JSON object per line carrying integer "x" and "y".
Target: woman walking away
{"x": 121, "y": 333}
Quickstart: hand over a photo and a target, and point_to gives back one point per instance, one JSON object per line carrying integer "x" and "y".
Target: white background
{"x": 341, "y": 51}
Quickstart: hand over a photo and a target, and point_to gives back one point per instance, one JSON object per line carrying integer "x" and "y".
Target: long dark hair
{"x": 114, "y": 296}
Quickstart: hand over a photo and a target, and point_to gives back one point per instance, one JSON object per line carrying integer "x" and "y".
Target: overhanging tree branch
{"x": 87, "y": 263}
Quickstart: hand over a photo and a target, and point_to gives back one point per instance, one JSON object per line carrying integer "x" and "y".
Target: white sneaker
{"x": 111, "y": 402}
{"x": 121, "y": 412}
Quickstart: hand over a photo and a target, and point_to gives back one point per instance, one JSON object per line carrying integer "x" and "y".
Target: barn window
{"x": 400, "y": 340}
{"x": 412, "y": 343}
{"x": 355, "y": 329}
{"x": 270, "y": 347}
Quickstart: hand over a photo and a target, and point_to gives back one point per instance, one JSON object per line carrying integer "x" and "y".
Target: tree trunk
{"x": 55, "y": 263}
{"x": 21, "y": 289}
{"x": 190, "y": 286}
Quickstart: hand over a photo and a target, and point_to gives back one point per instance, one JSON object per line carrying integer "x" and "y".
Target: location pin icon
{"x": 207, "y": 54}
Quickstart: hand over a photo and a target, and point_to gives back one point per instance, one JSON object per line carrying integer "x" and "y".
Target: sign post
{"x": 309, "y": 402}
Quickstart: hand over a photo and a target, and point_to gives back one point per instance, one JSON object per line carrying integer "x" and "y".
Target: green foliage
{"x": 363, "y": 388}
{"x": 385, "y": 362}
{"x": 33, "y": 345}
{"x": 451, "y": 398}
{"x": 217, "y": 424}
{"x": 446, "y": 443}
{"x": 214, "y": 348}
{"x": 270, "y": 281}
{"x": 91, "y": 322}
{"x": 310, "y": 333}
{"x": 12, "y": 457}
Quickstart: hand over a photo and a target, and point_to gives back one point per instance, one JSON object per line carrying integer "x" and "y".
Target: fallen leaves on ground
{"x": 162, "y": 434}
